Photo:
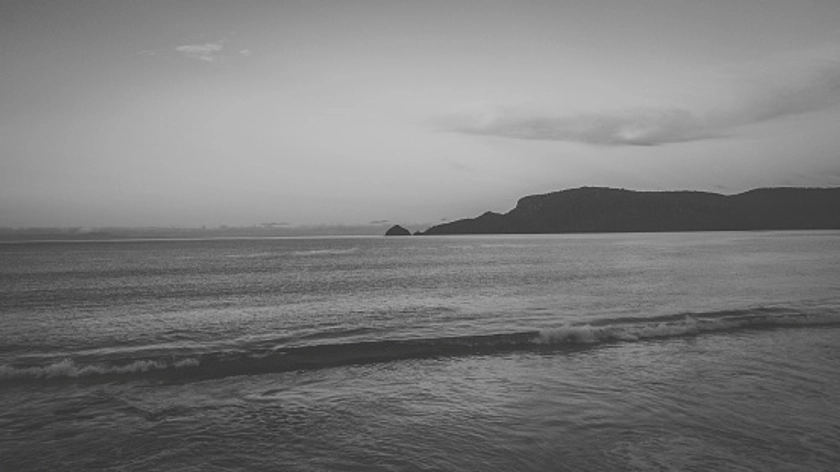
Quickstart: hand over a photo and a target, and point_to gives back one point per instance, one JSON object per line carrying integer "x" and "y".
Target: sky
{"x": 191, "y": 113}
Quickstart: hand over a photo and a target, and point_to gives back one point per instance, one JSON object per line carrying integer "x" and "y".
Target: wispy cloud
{"x": 815, "y": 86}
{"x": 631, "y": 127}
{"x": 208, "y": 52}
{"x": 212, "y": 52}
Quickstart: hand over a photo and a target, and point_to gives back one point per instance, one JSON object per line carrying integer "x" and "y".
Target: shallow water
{"x": 700, "y": 351}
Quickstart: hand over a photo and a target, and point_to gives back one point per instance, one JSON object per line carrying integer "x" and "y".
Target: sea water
{"x": 682, "y": 351}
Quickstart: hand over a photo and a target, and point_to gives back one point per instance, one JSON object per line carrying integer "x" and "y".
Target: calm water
{"x": 697, "y": 351}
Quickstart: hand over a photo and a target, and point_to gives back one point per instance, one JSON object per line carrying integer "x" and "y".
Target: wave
{"x": 326, "y": 252}
{"x": 68, "y": 368}
{"x": 283, "y": 359}
{"x": 670, "y": 326}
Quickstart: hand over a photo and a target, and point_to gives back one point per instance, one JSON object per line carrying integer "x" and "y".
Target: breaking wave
{"x": 282, "y": 359}
{"x": 326, "y": 252}
{"x": 68, "y": 368}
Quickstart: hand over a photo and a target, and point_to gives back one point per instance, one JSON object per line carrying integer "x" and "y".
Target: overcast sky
{"x": 204, "y": 113}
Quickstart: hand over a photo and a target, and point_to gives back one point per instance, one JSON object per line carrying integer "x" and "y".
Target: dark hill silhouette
{"x": 601, "y": 210}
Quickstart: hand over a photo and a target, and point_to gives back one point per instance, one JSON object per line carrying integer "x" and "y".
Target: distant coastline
{"x": 578, "y": 210}
{"x": 608, "y": 210}
{"x": 220, "y": 232}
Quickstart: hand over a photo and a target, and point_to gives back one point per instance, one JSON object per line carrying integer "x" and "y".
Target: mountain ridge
{"x": 605, "y": 209}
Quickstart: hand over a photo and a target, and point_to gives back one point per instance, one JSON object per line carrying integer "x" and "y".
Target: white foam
{"x": 326, "y": 252}
{"x": 587, "y": 334}
{"x": 68, "y": 368}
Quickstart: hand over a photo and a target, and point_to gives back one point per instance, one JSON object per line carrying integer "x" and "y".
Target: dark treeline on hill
{"x": 600, "y": 210}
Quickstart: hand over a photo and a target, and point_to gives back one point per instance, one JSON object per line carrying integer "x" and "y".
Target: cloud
{"x": 211, "y": 52}
{"x": 814, "y": 86}
{"x": 632, "y": 127}
{"x": 805, "y": 90}
{"x": 208, "y": 52}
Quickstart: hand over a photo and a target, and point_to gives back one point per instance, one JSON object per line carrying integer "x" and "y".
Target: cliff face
{"x": 596, "y": 210}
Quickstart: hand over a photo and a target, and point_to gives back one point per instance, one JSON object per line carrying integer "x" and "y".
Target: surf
{"x": 262, "y": 359}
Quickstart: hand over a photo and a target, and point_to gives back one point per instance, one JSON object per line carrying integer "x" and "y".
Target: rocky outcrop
{"x": 397, "y": 230}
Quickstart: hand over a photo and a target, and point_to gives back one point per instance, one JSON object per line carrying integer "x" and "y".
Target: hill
{"x": 601, "y": 210}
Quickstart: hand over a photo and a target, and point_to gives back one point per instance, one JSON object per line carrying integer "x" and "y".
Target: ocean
{"x": 589, "y": 352}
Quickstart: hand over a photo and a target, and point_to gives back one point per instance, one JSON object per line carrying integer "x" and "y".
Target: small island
{"x": 397, "y": 230}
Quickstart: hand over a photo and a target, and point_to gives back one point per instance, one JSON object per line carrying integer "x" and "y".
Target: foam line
{"x": 267, "y": 360}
